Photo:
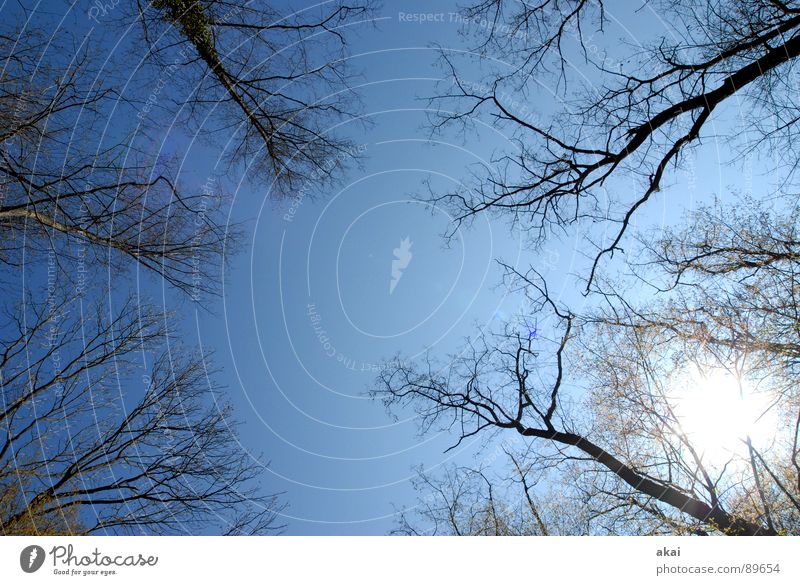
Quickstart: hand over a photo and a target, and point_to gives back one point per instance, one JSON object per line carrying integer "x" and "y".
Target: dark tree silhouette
{"x": 61, "y": 182}
{"x": 594, "y": 395}
{"x": 280, "y": 79}
{"x": 90, "y": 445}
{"x": 107, "y": 422}
{"x": 639, "y": 112}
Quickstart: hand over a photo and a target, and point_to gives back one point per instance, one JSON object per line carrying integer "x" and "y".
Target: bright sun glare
{"x": 717, "y": 413}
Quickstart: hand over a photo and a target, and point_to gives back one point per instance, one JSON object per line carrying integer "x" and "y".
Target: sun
{"x": 719, "y": 411}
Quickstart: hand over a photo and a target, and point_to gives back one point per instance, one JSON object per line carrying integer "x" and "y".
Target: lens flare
{"x": 718, "y": 411}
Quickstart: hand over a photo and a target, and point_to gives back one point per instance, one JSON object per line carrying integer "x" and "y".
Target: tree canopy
{"x": 108, "y": 422}
{"x": 695, "y": 321}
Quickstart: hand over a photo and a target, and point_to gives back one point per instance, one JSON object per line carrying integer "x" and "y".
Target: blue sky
{"x": 308, "y": 315}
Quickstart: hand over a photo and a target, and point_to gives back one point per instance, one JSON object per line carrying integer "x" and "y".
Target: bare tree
{"x": 62, "y": 184}
{"x": 601, "y": 395}
{"x": 280, "y": 80}
{"x": 477, "y": 501}
{"x": 106, "y": 423}
{"x": 93, "y": 439}
{"x": 727, "y": 285}
{"x": 639, "y": 110}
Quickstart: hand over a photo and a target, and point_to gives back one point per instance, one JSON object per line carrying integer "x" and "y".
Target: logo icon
{"x": 402, "y": 257}
{"x": 31, "y": 558}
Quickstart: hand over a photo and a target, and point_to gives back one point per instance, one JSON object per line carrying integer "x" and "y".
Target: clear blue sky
{"x": 299, "y": 374}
